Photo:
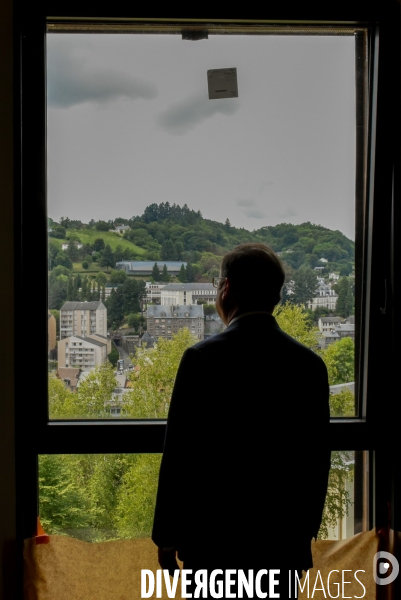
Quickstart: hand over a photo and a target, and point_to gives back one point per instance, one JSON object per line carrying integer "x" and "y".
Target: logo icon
{"x": 384, "y": 564}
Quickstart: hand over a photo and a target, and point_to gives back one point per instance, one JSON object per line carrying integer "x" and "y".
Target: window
{"x": 374, "y": 174}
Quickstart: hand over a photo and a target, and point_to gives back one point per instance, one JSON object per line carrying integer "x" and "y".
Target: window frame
{"x": 36, "y": 434}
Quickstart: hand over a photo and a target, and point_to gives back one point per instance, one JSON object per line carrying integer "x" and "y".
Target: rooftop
{"x": 82, "y": 305}
{"x": 187, "y": 287}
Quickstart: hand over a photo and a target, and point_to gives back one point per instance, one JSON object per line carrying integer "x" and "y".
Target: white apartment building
{"x": 83, "y": 318}
{"x": 181, "y": 294}
{"x": 153, "y": 292}
{"x": 83, "y": 352}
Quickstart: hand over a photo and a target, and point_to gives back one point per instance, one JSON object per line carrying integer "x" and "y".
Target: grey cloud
{"x": 290, "y": 212}
{"x": 72, "y": 82}
{"x": 254, "y": 213}
{"x": 264, "y": 185}
{"x": 244, "y": 202}
{"x": 185, "y": 116}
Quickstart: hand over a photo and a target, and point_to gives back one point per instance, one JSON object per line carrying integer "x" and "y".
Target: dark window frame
{"x": 35, "y": 433}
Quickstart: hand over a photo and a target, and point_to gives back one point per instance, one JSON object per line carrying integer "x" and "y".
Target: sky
{"x": 130, "y": 123}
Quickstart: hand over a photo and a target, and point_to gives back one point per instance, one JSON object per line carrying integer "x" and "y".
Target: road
{"x": 125, "y": 356}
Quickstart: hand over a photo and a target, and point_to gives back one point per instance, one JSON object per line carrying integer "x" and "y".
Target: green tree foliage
{"x": 124, "y": 300}
{"x": 190, "y": 272}
{"x": 135, "y": 511}
{"x": 345, "y": 300}
{"x": 102, "y": 226}
{"x": 342, "y": 404}
{"x": 57, "y": 231}
{"x": 165, "y": 277}
{"x": 305, "y": 284}
{"x": 73, "y": 251}
{"x": 134, "y": 320}
{"x": 294, "y": 321}
{"x": 63, "y": 502}
{"x": 168, "y": 251}
{"x": 62, "y": 259}
{"x": 182, "y": 275}
{"x": 107, "y": 257}
{"x": 339, "y": 358}
{"x": 152, "y": 383}
{"x": 98, "y": 244}
{"x": 85, "y": 264}
{"x": 156, "y": 273}
{"x": 209, "y": 309}
{"x": 117, "y": 276}
{"x": 113, "y": 356}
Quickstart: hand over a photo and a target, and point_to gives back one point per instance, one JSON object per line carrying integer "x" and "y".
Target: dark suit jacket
{"x": 245, "y": 463}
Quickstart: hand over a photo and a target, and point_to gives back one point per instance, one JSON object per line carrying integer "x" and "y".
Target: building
{"x": 146, "y": 267}
{"x": 324, "y": 297}
{"x": 85, "y": 353}
{"x": 153, "y": 292}
{"x": 164, "y": 321}
{"x": 328, "y": 323}
{"x": 346, "y": 330}
{"x": 83, "y": 318}
{"x": 120, "y": 229}
{"x": 78, "y": 245}
{"x": 178, "y": 294}
{"x": 51, "y": 332}
{"x": 70, "y": 376}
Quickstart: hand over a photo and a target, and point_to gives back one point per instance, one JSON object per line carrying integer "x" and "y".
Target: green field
{"x": 88, "y": 236}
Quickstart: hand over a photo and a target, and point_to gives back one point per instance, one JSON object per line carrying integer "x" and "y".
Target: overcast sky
{"x": 130, "y": 123}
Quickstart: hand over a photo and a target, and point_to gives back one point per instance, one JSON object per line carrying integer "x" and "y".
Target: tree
{"x": 113, "y": 356}
{"x": 165, "y": 276}
{"x": 94, "y": 393}
{"x": 102, "y": 226}
{"x": 98, "y": 244}
{"x": 63, "y": 259}
{"x": 107, "y": 257}
{"x": 168, "y": 251}
{"x": 345, "y": 300}
{"x": 133, "y": 320}
{"x": 117, "y": 276}
{"x": 339, "y": 358}
{"x": 73, "y": 251}
{"x": 305, "y": 284}
{"x": 182, "y": 275}
{"x": 101, "y": 279}
{"x": 85, "y": 264}
{"x": 153, "y": 382}
{"x": 190, "y": 272}
{"x": 156, "y": 273}
{"x": 209, "y": 309}
{"x": 294, "y": 321}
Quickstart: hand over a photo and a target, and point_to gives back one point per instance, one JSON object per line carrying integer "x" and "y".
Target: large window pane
{"x": 97, "y": 497}
{"x": 145, "y": 171}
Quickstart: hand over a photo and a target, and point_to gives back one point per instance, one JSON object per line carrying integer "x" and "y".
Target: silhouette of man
{"x": 245, "y": 465}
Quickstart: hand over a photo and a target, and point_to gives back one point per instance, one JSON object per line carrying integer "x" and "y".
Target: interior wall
{"x": 7, "y": 436}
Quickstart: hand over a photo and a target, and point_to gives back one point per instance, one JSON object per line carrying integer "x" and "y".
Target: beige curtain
{"x": 68, "y": 569}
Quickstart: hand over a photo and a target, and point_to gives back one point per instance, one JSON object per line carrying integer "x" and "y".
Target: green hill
{"x": 88, "y": 236}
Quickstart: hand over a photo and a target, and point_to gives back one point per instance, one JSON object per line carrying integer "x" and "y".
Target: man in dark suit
{"x": 245, "y": 466}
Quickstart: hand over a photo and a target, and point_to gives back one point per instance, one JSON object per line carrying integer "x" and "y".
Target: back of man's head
{"x": 256, "y": 276}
